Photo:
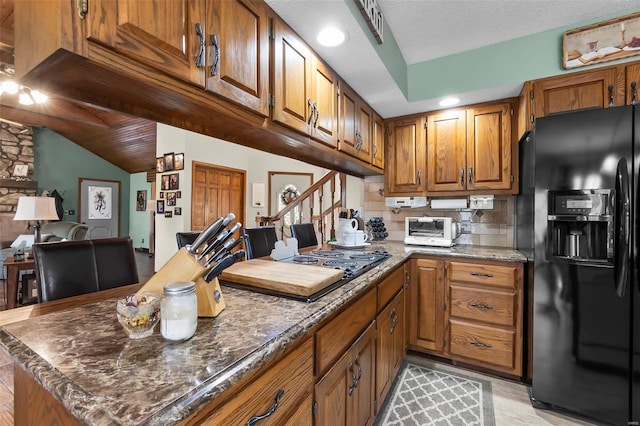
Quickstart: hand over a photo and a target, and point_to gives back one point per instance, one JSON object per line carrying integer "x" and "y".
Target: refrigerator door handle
{"x": 622, "y": 224}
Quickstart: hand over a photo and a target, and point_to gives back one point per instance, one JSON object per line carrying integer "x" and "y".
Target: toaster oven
{"x": 430, "y": 231}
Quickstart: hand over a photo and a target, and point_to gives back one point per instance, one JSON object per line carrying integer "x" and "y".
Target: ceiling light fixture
{"x": 331, "y": 37}
{"x": 26, "y": 96}
{"x": 447, "y": 102}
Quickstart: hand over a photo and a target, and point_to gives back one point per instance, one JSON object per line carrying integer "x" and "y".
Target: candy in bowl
{"x": 139, "y": 314}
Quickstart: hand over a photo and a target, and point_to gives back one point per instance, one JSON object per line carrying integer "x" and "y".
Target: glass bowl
{"x": 138, "y": 315}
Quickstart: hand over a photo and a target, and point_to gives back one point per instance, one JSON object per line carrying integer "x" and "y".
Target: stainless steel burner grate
{"x": 339, "y": 263}
{"x": 327, "y": 253}
{"x": 363, "y": 256}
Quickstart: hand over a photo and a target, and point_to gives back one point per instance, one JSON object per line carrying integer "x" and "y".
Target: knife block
{"x": 183, "y": 266}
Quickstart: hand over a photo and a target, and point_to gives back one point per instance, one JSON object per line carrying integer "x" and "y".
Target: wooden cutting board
{"x": 289, "y": 278}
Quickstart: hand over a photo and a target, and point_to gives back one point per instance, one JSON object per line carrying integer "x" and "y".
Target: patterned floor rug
{"x": 423, "y": 396}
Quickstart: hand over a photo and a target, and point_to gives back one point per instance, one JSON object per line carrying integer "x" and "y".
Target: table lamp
{"x": 36, "y": 208}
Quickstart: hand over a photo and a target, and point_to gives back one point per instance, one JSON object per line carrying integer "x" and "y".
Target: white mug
{"x": 347, "y": 225}
{"x": 356, "y": 238}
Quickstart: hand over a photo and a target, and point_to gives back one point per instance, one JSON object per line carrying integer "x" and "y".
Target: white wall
{"x": 206, "y": 149}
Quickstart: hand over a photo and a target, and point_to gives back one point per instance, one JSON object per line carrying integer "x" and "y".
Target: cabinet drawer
{"x": 335, "y": 336}
{"x": 493, "y": 346}
{"x": 293, "y": 375}
{"x": 500, "y": 276}
{"x": 495, "y": 307}
{"x": 388, "y": 287}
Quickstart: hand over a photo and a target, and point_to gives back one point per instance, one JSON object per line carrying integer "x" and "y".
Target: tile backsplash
{"x": 478, "y": 227}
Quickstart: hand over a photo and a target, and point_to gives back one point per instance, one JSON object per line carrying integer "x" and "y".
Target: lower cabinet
{"x": 345, "y": 394}
{"x": 426, "y": 305}
{"x": 280, "y": 396}
{"x": 390, "y": 325}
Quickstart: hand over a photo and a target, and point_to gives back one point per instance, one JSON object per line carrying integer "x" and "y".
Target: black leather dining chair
{"x": 259, "y": 241}
{"x": 184, "y": 238}
{"x": 115, "y": 262}
{"x": 305, "y": 233}
{"x": 64, "y": 269}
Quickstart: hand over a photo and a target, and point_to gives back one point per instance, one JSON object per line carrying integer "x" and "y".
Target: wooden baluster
{"x": 333, "y": 201}
{"x": 321, "y": 210}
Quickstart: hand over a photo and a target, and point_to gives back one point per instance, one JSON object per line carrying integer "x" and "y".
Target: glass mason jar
{"x": 179, "y": 311}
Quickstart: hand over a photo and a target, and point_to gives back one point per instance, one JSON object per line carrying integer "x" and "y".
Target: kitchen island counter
{"x": 83, "y": 358}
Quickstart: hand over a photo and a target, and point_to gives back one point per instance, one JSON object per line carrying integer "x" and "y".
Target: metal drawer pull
{"x": 310, "y": 106}
{"x": 354, "y": 379}
{"x": 199, "y": 60}
{"x": 394, "y": 321}
{"x": 216, "y": 55}
{"x": 480, "y": 345}
{"x": 479, "y": 274}
{"x": 480, "y": 306}
{"x": 470, "y": 174}
{"x": 359, "y": 372}
{"x": 462, "y": 176}
{"x": 255, "y": 419}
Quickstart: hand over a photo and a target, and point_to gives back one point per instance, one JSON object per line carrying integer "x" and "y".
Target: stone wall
{"x": 479, "y": 227}
{"x": 16, "y": 147}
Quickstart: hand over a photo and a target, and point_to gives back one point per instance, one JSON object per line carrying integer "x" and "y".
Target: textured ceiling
{"x": 428, "y": 29}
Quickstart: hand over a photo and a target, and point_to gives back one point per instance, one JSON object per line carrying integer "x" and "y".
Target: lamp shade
{"x": 36, "y": 208}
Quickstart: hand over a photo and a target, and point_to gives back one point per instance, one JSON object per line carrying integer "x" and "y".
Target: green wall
{"x": 58, "y": 165}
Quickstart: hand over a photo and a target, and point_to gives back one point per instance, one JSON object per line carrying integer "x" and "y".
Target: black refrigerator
{"x": 577, "y": 222}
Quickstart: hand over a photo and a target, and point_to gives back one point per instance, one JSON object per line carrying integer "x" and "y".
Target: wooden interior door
{"x": 238, "y": 64}
{"x": 216, "y": 191}
{"x": 158, "y": 33}
{"x": 446, "y": 151}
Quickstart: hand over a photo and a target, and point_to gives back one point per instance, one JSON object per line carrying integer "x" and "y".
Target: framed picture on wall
{"x": 168, "y": 213}
{"x": 177, "y": 211}
{"x": 173, "y": 181}
{"x": 168, "y": 162}
{"x": 171, "y": 198}
{"x": 160, "y": 206}
{"x": 161, "y": 194}
{"x": 178, "y": 161}
{"x": 141, "y": 200}
{"x": 29, "y": 290}
{"x": 178, "y": 194}
{"x": 164, "y": 182}
{"x": 159, "y": 164}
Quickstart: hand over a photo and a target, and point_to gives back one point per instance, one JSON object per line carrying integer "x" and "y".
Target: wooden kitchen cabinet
{"x": 305, "y": 89}
{"x": 345, "y": 394}
{"x": 377, "y": 142}
{"x": 356, "y": 124}
{"x": 405, "y": 148}
{"x": 485, "y": 315}
{"x": 390, "y": 346}
{"x": 285, "y": 389}
{"x": 237, "y": 53}
{"x": 161, "y": 34}
{"x": 426, "y": 306}
{"x": 470, "y": 149}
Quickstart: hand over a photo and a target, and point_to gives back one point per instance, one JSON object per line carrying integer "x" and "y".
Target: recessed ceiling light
{"x": 448, "y": 102}
{"x": 331, "y": 36}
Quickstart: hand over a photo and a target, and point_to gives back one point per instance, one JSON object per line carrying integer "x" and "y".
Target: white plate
{"x": 342, "y": 246}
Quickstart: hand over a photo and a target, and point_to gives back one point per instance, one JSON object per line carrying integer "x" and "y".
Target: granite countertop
{"x": 86, "y": 361}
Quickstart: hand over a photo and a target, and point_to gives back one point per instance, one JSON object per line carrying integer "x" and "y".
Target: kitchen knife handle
{"x": 208, "y": 232}
{"x": 213, "y": 244}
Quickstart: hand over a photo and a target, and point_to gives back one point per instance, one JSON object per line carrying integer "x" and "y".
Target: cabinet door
{"x": 345, "y": 395}
{"x": 348, "y": 116}
{"x": 292, "y": 79}
{"x": 405, "y": 156}
{"x": 427, "y": 305}
{"x": 377, "y": 143}
{"x": 324, "y": 126}
{"x": 446, "y": 151}
{"x": 575, "y": 91}
{"x": 159, "y": 33}
{"x": 489, "y": 147}
{"x": 632, "y": 75}
{"x": 238, "y": 55}
{"x": 364, "y": 132}
{"x": 389, "y": 346}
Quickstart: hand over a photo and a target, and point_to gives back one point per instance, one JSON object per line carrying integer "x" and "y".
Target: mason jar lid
{"x": 177, "y": 288}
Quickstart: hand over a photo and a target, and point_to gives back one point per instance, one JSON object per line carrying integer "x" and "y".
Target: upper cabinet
{"x": 598, "y": 88}
{"x": 305, "y": 89}
{"x": 377, "y": 143}
{"x": 168, "y": 35}
{"x": 471, "y": 150}
{"x": 356, "y": 124}
{"x": 405, "y": 169}
{"x": 237, "y": 64}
